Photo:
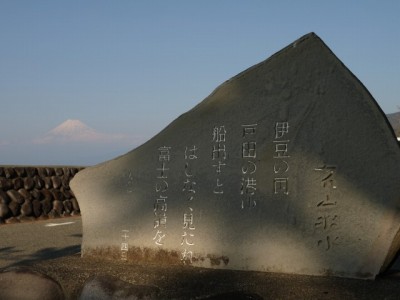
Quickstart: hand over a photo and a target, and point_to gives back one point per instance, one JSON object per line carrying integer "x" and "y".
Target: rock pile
{"x": 30, "y": 193}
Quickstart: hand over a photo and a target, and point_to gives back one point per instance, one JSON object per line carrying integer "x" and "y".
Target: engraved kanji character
{"x": 124, "y": 255}
{"x": 326, "y": 203}
{"x": 326, "y": 222}
{"x": 124, "y": 246}
{"x": 125, "y": 236}
{"x": 163, "y": 171}
{"x": 164, "y": 153}
{"x": 249, "y": 129}
{"x": 281, "y": 128}
{"x": 249, "y": 150}
{"x": 328, "y": 179}
{"x": 159, "y": 237}
{"x": 161, "y": 220}
{"x": 185, "y": 239}
{"x": 219, "y": 152}
{"x": 188, "y": 221}
{"x": 187, "y": 256}
{"x": 218, "y": 166}
{"x": 161, "y": 204}
{"x": 328, "y": 242}
{"x": 281, "y": 150}
{"x": 219, "y": 134}
{"x": 248, "y": 186}
{"x": 191, "y": 153}
{"x": 281, "y": 185}
{"x": 280, "y": 165}
{"x": 219, "y": 187}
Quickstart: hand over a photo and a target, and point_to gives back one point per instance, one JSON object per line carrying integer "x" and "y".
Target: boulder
{"x": 288, "y": 167}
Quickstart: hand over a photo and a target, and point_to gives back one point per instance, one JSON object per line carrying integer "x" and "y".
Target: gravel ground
{"x": 182, "y": 282}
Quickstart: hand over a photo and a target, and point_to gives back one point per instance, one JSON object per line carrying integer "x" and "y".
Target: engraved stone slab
{"x": 289, "y": 166}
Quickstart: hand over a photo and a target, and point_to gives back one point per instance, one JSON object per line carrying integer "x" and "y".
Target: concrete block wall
{"x": 28, "y": 193}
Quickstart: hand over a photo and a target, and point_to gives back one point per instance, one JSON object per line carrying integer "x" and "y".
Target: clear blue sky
{"x": 131, "y": 67}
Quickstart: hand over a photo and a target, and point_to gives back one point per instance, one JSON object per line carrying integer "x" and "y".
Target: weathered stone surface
{"x": 23, "y": 283}
{"x": 108, "y": 287}
{"x": 289, "y": 166}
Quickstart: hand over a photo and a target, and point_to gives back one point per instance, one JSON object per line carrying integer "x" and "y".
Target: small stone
{"x": 4, "y": 197}
{"x": 65, "y": 182}
{"x": 67, "y": 206}
{"x": 59, "y": 171}
{"x": 37, "y": 208}
{"x": 75, "y": 205}
{"x": 4, "y": 211}
{"x": 56, "y": 182}
{"x": 48, "y": 184}
{"x": 36, "y": 194}
{"x": 24, "y": 193}
{"x": 29, "y": 183}
{"x": 26, "y": 208}
{"x": 15, "y": 196}
{"x": 20, "y": 171}
{"x": 66, "y": 171}
{"x": 9, "y": 173}
{"x": 109, "y": 287}
{"x": 47, "y": 195}
{"x": 46, "y": 206}
{"x": 67, "y": 194}
{"x": 5, "y": 184}
{"x": 42, "y": 172}
{"x": 50, "y": 171}
{"x": 27, "y": 284}
{"x": 15, "y": 208}
{"x": 18, "y": 183}
{"x": 58, "y": 207}
{"x": 39, "y": 183}
{"x": 53, "y": 214}
{"x": 57, "y": 194}
{"x": 31, "y": 171}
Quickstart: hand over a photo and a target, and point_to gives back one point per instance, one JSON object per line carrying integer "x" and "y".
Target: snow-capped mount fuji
{"x": 73, "y": 131}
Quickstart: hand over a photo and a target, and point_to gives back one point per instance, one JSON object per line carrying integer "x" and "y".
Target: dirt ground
{"x": 183, "y": 282}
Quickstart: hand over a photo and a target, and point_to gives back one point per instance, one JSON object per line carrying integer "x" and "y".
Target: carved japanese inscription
{"x": 288, "y": 167}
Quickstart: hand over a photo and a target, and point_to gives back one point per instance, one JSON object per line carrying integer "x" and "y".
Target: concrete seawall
{"x": 28, "y": 193}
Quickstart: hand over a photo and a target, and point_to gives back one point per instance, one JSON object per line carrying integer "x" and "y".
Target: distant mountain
{"x": 394, "y": 120}
{"x": 72, "y": 131}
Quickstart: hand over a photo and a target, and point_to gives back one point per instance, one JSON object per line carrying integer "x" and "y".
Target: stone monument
{"x": 290, "y": 166}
